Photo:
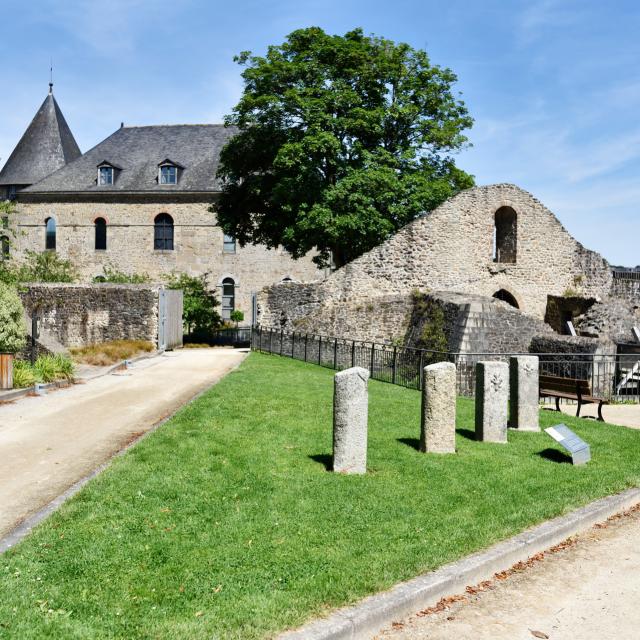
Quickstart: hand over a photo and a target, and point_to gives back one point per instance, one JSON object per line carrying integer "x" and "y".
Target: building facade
{"x": 139, "y": 203}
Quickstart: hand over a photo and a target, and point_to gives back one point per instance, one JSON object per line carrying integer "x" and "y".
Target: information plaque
{"x": 577, "y": 447}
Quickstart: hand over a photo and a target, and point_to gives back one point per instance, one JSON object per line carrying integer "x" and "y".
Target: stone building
{"x": 138, "y": 202}
{"x": 481, "y": 255}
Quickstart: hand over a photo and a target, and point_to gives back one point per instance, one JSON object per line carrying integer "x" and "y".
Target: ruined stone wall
{"x": 452, "y": 249}
{"x": 78, "y": 315}
{"x": 627, "y": 288}
{"x": 198, "y": 244}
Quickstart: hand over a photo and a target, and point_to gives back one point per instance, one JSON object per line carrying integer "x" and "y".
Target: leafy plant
{"x": 120, "y": 277}
{"x": 46, "y": 369}
{"x": 12, "y": 325}
{"x": 342, "y": 140}
{"x": 64, "y": 367}
{"x": 46, "y": 266}
{"x": 199, "y": 302}
{"x": 23, "y": 374}
{"x": 236, "y": 316}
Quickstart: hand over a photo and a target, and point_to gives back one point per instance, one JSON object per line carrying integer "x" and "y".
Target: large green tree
{"x": 341, "y": 141}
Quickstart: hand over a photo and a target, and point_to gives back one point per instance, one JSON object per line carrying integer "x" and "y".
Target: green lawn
{"x": 225, "y": 523}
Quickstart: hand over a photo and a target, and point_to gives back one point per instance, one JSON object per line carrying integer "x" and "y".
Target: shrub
{"x": 46, "y": 266}
{"x": 199, "y": 303}
{"x": 46, "y": 369}
{"x": 64, "y": 367}
{"x": 12, "y": 327}
{"x": 110, "y": 352}
{"x": 23, "y": 375}
{"x": 237, "y": 316}
{"x": 120, "y": 277}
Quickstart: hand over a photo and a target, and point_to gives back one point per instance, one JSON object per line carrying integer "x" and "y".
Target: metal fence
{"x": 615, "y": 377}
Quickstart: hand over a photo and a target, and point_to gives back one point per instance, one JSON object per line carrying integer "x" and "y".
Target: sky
{"x": 553, "y": 85}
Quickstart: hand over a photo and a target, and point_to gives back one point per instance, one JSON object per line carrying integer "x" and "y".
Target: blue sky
{"x": 553, "y": 85}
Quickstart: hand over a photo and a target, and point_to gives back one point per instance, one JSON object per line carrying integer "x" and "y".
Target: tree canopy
{"x": 341, "y": 141}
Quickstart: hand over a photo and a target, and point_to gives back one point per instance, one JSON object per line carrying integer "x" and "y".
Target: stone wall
{"x": 198, "y": 244}
{"x": 78, "y": 315}
{"x": 627, "y": 288}
{"x": 452, "y": 249}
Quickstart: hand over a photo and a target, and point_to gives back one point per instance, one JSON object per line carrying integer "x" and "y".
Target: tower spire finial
{"x": 51, "y": 77}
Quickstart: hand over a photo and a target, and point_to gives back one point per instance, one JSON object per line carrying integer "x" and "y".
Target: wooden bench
{"x": 570, "y": 389}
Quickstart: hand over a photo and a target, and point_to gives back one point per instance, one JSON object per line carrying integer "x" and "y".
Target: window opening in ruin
{"x": 505, "y": 235}
{"x": 507, "y": 297}
{"x": 228, "y": 244}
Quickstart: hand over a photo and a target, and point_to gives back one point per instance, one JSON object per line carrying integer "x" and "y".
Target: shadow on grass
{"x": 414, "y": 443}
{"x": 555, "y": 456}
{"x": 325, "y": 459}
{"x": 466, "y": 433}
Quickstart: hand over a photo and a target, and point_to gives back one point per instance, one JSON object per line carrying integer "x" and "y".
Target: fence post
{"x": 335, "y": 353}
{"x": 395, "y": 363}
{"x": 306, "y": 339}
{"x": 270, "y": 340}
{"x": 319, "y": 350}
{"x": 373, "y": 351}
{"x": 421, "y": 369}
{"x": 353, "y": 353}
{"x": 293, "y": 345}
{"x": 281, "y": 340}
{"x": 259, "y": 338}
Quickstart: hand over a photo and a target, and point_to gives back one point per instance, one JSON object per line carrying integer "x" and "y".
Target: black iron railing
{"x": 615, "y": 377}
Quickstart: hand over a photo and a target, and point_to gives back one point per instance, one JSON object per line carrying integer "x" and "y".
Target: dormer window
{"x": 106, "y": 174}
{"x": 168, "y": 172}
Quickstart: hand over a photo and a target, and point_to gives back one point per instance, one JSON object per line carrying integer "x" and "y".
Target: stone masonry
{"x": 452, "y": 249}
{"x": 438, "y": 432}
{"x": 492, "y": 395}
{"x": 350, "y": 417}
{"x": 198, "y": 243}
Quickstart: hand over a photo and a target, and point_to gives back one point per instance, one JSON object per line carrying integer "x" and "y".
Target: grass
{"x": 111, "y": 352}
{"x": 225, "y": 523}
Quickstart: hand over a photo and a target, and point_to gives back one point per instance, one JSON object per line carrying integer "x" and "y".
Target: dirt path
{"x": 627, "y": 415}
{"x": 589, "y": 590}
{"x": 49, "y": 443}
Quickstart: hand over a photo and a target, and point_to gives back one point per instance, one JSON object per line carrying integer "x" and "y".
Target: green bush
{"x": 64, "y": 367}
{"x": 45, "y": 368}
{"x": 199, "y": 303}
{"x": 23, "y": 375}
{"x": 46, "y": 266}
{"x": 12, "y": 325}
{"x": 115, "y": 276}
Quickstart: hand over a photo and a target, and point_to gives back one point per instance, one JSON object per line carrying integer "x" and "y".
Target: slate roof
{"x": 46, "y": 145}
{"x": 137, "y": 152}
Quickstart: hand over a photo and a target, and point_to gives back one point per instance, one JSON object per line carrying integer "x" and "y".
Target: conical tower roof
{"x": 46, "y": 145}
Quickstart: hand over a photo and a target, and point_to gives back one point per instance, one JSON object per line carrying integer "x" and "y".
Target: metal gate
{"x": 169, "y": 319}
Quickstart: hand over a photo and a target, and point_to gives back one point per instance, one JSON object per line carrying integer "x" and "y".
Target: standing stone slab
{"x": 438, "y": 432}
{"x": 492, "y": 395}
{"x": 524, "y": 386}
{"x": 350, "y": 413}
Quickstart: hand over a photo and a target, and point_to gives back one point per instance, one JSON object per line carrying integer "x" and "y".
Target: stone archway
{"x": 507, "y": 297}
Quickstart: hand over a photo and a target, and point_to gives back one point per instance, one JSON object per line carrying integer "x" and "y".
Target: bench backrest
{"x": 566, "y": 385}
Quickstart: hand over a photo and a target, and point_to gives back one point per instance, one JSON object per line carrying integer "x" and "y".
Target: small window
{"x": 5, "y": 222}
{"x": 100, "y": 234}
{"x": 287, "y": 279}
{"x": 11, "y": 192}
{"x": 4, "y": 241}
{"x": 228, "y": 244}
{"x": 50, "y": 234}
{"x": 163, "y": 232}
{"x": 228, "y": 298}
{"x": 505, "y": 236}
{"x": 105, "y": 175}
{"x": 168, "y": 174}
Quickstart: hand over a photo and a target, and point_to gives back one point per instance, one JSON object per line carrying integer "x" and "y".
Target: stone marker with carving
{"x": 492, "y": 395}
{"x": 438, "y": 429}
{"x": 350, "y": 414}
{"x": 524, "y": 388}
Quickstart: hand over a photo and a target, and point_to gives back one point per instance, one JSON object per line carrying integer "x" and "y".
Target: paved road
{"x": 589, "y": 591}
{"x": 49, "y": 443}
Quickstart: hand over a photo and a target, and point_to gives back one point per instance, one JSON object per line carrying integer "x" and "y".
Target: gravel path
{"x": 589, "y": 589}
{"x": 49, "y": 443}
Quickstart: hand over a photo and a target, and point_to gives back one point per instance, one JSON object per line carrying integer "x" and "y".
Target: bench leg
{"x": 600, "y": 412}
{"x": 557, "y": 404}
{"x": 579, "y": 407}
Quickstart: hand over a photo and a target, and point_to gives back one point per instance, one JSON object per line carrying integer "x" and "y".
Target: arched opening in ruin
{"x": 507, "y": 297}
{"x": 505, "y": 243}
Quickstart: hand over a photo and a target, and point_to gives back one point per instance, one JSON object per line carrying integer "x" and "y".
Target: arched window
{"x": 100, "y": 234}
{"x": 163, "y": 232}
{"x": 50, "y": 234}
{"x": 228, "y": 297}
{"x": 287, "y": 279}
{"x": 507, "y": 297}
{"x": 506, "y": 235}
